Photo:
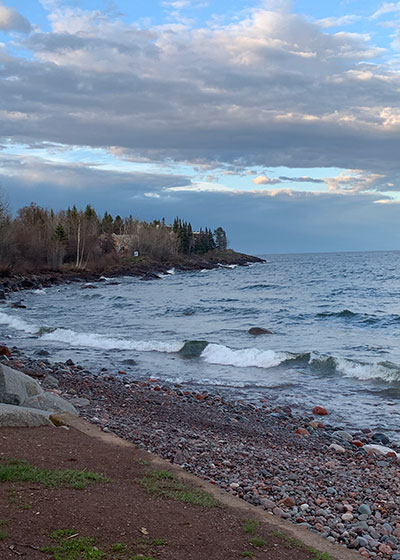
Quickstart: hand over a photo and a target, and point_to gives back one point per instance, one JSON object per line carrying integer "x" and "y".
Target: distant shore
{"x": 143, "y": 267}
{"x": 297, "y": 467}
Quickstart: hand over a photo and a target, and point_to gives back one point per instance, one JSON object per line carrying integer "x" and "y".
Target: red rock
{"x": 4, "y": 351}
{"x": 152, "y": 380}
{"x": 302, "y": 432}
{"x": 122, "y": 372}
{"x": 357, "y": 443}
{"x": 201, "y": 397}
{"x": 385, "y": 549}
{"x": 288, "y": 502}
{"x": 320, "y": 410}
{"x": 157, "y": 388}
{"x": 364, "y": 552}
{"x": 300, "y": 520}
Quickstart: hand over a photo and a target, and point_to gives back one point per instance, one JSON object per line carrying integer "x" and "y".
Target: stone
{"x": 341, "y": 434}
{"x": 364, "y": 509}
{"x": 381, "y": 438}
{"x": 337, "y": 448}
{"x": 259, "y": 330}
{"x": 320, "y": 411}
{"x": 19, "y": 416}
{"x": 16, "y": 387}
{"x": 347, "y": 516}
{"x": 302, "y": 432}
{"x": 51, "y": 403}
{"x": 375, "y": 449}
{"x": 5, "y": 351}
{"x": 50, "y": 381}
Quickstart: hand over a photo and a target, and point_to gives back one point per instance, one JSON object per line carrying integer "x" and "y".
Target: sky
{"x": 277, "y": 120}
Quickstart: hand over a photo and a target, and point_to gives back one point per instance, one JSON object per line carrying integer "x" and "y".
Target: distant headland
{"x": 41, "y": 247}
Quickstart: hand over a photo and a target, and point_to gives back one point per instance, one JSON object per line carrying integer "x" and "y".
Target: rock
{"x": 364, "y": 509}
{"x": 375, "y": 449}
{"x": 69, "y": 362}
{"x": 80, "y": 401}
{"x": 2, "y": 295}
{"x": 150, "y": 276}
{"x": 16, "y": 387}
{"x": 381, "y": 438}
{"x": 337, "y": 448}
{"x": 320, "y": 411}
{"x": 50, "y": 382}
{"x": 5, "y": 351}
{"x": 347, "y": 516}
{"x": 302, "y": 432}
{"x": 20, "y": 416}
{"x": 193, "y": 348}
{"x": 341, "y": 434}
{"x": 259, "y": 330}
{"x": 50, "y": 403}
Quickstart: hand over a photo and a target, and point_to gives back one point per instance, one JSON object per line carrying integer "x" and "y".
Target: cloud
{"x": 270, "y": 89}
{"x": 263, "y": 180}
{"x": 387, "y": 8}
{"x": 12, "y": 20}
{"x": 302, "y": 180}
{"x": 338, "y": 21}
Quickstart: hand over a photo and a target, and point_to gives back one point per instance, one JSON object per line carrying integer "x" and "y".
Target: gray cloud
{"x": 11, "y": 20}
{"x": 270, "y": 90}
{"x": 301, "y": 180}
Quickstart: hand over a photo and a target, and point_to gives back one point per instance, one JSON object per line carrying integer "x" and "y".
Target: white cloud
{"x": 387, "y": 8}
{"x": 263, "y": 180}
{"x": 12, "y": 20}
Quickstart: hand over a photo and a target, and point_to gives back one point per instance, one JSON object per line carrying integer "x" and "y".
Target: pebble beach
{"x": 342, "y": 484}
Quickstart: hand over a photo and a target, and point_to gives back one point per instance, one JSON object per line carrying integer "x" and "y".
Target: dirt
{"x": 119, "y": 511}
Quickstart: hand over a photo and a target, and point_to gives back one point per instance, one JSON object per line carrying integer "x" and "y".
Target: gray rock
{"x": 364, "y": 509}
{"x": 50, "y": 381}
{"x": 20, "y": 416}
{"x": 259, "y": 330}
{"x": 80, "y": 401}
{"x": 16, "y": 387}
{"x": 50, "y": 403}
{"x": 341, "y": 434}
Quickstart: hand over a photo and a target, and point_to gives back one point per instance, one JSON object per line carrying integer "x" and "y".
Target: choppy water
{"x": 335, "y": 319}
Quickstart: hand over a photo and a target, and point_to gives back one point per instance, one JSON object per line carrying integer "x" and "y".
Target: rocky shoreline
{"x": 345, "y": 486}
{"x": 144, "y": 268}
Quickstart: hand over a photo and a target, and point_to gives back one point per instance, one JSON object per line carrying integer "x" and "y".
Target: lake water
{"x": 335, "y": 319}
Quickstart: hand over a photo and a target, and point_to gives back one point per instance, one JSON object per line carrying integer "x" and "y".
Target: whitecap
{"x": 17, "y": 324}
{"x": 92, "y": 340}
{"x": 246, "y": 357}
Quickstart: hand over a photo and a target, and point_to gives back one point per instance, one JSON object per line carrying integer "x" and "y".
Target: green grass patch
{"x": 291, "y": 542}
{"x": 118, "y": 547}
{"x": 164, "y": 484}
{"x": 247, "y": 554}
{"x": 251, "y": 526}
{"x": 140, "y": 557}
{"x": 70, "y": 546}
{"x": 257, "y": 542}
{"x": 317, "y": 555}
{"x": 12, "y": 470}
{"x": 3, "y": 530}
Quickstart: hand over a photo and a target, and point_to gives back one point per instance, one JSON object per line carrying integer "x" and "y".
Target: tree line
{"x": 39, "y": 239}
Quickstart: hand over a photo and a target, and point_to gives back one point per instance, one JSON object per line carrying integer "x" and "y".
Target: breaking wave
{"x": 91, "y": 340}
{"x": 17, "y": 324}
{"x": 247, "y": 357}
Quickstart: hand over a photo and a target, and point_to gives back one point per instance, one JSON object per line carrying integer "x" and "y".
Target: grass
{"x": 257, "y": 542}
{"x": 247, "y": 554}
{"x": 164, "y": 484}
{"x": 70, "y": 546}
{"x": 118, "y": 547}
{"x": 251, "y": 526}
{"x": 3, "y": 531}
{"x": 12, "y": 470}
{"x": 317, "y": 555}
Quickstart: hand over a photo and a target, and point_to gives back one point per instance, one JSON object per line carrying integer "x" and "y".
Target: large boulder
{"x": 16, "y": 387}
{"x": 51, "y": 403}
{"x": 20, "y": 416}
{"x": 256, "y": 331}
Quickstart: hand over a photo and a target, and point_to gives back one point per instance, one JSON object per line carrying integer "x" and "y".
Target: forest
{"x": 38, "y": 239}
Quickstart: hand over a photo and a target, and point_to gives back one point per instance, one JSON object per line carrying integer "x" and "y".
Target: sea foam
{"x": 17, "y": 324}
{"x": 247, "y": 357}
{"x": 92, "y": 340}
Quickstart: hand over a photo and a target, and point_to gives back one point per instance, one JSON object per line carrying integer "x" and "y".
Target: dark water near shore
{"x": 335, "y": 318}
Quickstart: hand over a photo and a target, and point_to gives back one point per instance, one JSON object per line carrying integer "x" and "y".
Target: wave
{"x": 91, "y": 340}
{"x": 247, "y": 357}
{"x": 345, "y": 314}
{"x": 379, "y": 370}
{"x": 17, "y": 324}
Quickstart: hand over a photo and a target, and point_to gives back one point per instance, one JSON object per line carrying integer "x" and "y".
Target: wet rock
{"x": 320, "y": 411}
{"x": 259, "y": 331}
